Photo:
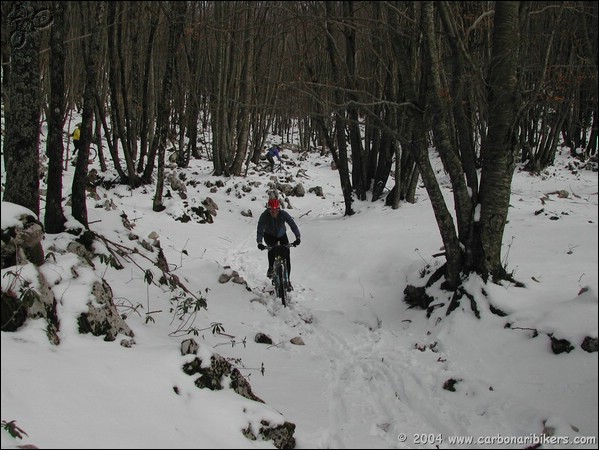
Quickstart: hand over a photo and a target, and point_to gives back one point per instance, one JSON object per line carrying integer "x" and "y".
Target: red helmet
{"x": 274, "y": 203}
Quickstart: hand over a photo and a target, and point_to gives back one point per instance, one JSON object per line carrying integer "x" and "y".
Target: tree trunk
{"x": 54, "y": 219}
{"x": 343, "y": 164}
{"x": 5, "y": 30}
{"x": 146, "y": 115}
{"x": 131, "y": 93}
{"x": 220, "y": 96}
{"x": 177, "y": 18}
{"x": 111, "y": 142}
{"x": 441, "y": 136}
{"x": 21, "y": 155}
{"x": 499, "y": 152}
{"x": 243, "y": 126}
{"x": 98, "y": 138}
{"x": 359, "y": 169}
{"x": 464, "y": 136}
{"x": 419, "y": 150}
{"x": 119, "y": 98}
{"x": 91, "y": 55}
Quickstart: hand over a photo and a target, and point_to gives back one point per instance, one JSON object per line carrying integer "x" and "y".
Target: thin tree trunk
{"x": 91, "y": 55}
{"x": 146, "y": 115}
{"x": 177, "y": 18}
{"x": 219, "y": 99}
{"x": 419, "y": 149}
{"x": 464, "y": 132}
{"x": 343, "y": 164}
{"x": 99, "y": 142}
{"x": 54, "y": 219}
{"x": 359, "y": 169}
{"x": 110, "y": 141}
{"x": 440, "y": 125}
{"x": 246, "y": 99}
{"x": 122, "y": 123}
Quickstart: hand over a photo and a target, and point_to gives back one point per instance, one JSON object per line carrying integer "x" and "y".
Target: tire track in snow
{"x": 372, "y": 385}
{"x": 376, "y": 384}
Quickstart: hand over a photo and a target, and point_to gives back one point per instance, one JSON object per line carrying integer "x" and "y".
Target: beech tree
{"x": 93, "y": 15}
{"x": 176, "y": 13}
{"x": 378, "y": 85}
{"x": 54, "y": 219}
{"x": 21, "y": 143}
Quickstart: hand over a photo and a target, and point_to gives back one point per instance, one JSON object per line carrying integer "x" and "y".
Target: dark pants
{"x": 271, "y": 160}
{"x": 271, "y": 240}
{"x": 77, "y": 145}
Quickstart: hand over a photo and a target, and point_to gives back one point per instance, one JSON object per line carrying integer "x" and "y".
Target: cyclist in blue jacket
{"x": 274, "y": 151}
{"x": 271, "y": 228}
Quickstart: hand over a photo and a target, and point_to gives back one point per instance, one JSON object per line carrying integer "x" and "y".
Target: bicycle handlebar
{"x": 270, "y": 247}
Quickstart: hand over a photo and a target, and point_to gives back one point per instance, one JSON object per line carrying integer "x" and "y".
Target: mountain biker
{"x": 270, "y": 155}
{"x": 271, "y": 227}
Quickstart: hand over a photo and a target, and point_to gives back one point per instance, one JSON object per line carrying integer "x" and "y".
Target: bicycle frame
{"x": 278, "y": 167}
{"x": 280, "y": 279}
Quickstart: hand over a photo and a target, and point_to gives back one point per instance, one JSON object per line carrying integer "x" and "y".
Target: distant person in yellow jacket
{"x": 76, "y": 140}
{"x": 76, "y": 136}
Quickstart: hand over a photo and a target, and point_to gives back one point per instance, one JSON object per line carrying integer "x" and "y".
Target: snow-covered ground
{"x": 372, "y": 373}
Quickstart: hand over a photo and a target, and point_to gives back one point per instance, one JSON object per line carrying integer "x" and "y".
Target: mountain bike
{"x": 280, "y": 277}
{"x": 278, "y": 167}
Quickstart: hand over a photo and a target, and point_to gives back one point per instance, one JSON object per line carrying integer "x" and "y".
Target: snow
{"x": 372, "y": 371}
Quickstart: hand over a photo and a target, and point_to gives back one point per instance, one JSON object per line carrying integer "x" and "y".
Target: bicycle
{"x": 280, "y": 275}
{"x": 280, "y": 168}
{"x": 265, "y": 166}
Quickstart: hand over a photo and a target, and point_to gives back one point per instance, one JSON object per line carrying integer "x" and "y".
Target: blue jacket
{"x": 275, "y": 227}
{"x": 274, "y": 151}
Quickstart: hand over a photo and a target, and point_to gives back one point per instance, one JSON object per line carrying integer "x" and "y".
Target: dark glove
{"x": 261, "y": 246}
{"x": 297, "y": 242}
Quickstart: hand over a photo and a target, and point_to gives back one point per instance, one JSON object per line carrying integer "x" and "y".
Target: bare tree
{"x": 449, "y": 156}
{"x": 342, "y": 160}
{"x": 147, "y": 116}
{"x": 176, "y": 14}
{"x": 448, "y": 75}
{"x": 220, "y": 98}
{"x": 93, "y": 14}
{"x": 248, "y": 21}
{"x": 499, "y": 154}
{"x": 21, "y": 155}
{"x": 54, "y": 219}
{"x": 359, "y": 167}
{"x": 124, "y": 114}
{"x": 5, "y": 33}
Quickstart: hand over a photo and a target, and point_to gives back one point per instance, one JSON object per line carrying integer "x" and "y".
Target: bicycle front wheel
{"x": 281, "y": 288}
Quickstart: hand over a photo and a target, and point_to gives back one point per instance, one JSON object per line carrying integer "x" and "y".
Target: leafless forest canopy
{"x": 376, "y": 84}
